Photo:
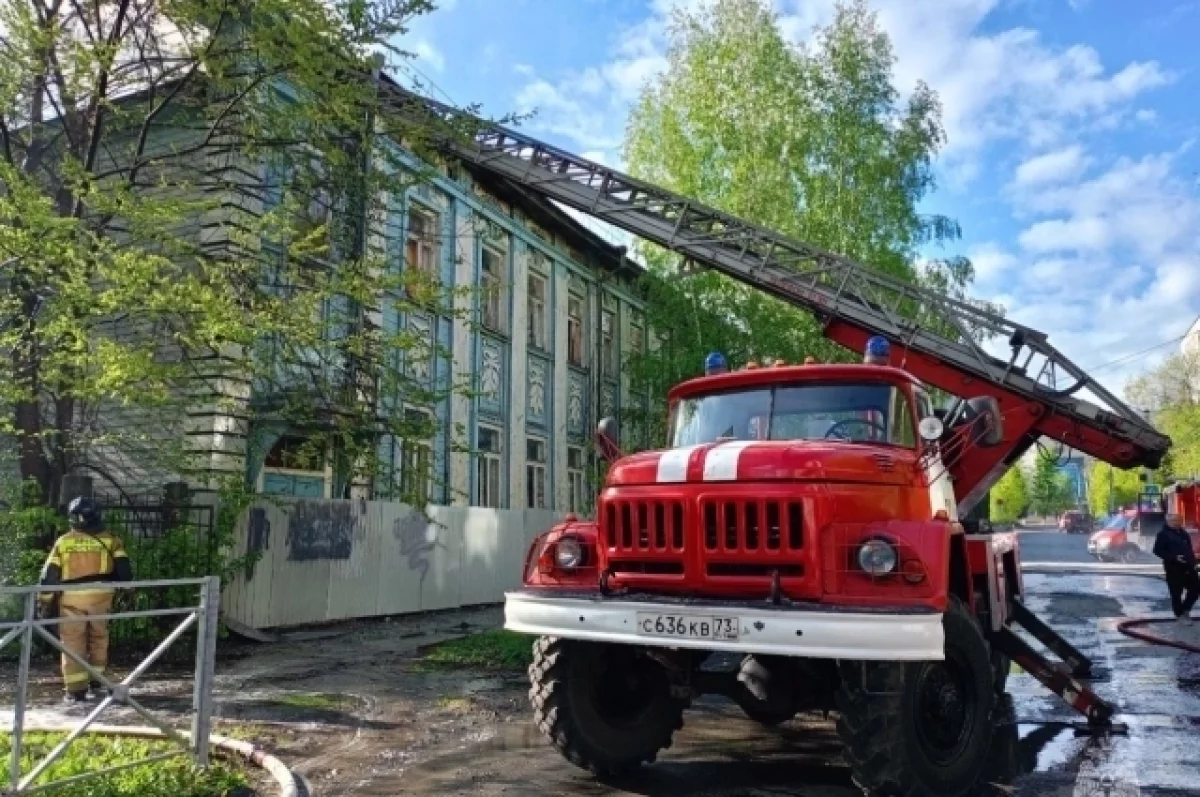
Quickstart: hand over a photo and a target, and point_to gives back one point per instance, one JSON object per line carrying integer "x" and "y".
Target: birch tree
{"x": 188, "y": 194}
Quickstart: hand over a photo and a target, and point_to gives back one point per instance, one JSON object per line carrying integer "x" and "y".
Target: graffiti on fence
{"x": 418, "y": 538}
{"x": 320, "y": 530}
{"x": 258, "y": 539}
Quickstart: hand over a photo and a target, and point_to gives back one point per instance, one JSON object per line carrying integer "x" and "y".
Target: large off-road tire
{"x": 1001, "y": 666}
{"x": 607, "y": 708}
{"x": 917, "y": 729}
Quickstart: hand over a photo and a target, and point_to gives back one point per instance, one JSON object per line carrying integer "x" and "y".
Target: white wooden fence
{"x": 337, "y": 560}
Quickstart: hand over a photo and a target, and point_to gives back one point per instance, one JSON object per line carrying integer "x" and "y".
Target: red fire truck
{"x": 813, "y": 524}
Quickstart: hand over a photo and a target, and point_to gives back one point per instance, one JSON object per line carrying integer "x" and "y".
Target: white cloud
{"x": 1053, "y": 167}
{"x": 426, "y": 53}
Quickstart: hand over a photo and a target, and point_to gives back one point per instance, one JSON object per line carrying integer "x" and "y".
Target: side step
{"x": 1058, "y": 679}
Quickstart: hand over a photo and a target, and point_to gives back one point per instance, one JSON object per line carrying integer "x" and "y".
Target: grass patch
{"x": 173, "y": 777}
{"x": 488, "y": 650}
{"x": 1014, "y": 668}
{"x": 314, "y": 701}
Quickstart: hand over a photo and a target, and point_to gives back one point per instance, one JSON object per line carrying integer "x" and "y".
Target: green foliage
{"x": 1110, "y": 487}
{"x": 192, "y": 213}
{"x": 1171, "y": 393}
{"x": 489, "y": 650}
{"x": 815, "y": 143}
{"x": 1009, "y": 497}
{"x": 1049, "y": 489}
{"x": 174, "y": 777}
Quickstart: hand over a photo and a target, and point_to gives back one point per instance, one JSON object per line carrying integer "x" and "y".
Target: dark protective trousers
{"x": 1184, "y": 585}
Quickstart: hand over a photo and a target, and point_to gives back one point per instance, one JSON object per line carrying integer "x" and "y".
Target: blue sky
{"x": 1071, "y": 163}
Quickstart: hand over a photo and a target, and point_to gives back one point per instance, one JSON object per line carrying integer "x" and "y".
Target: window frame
{"x": 426, "y": 244}
{"x": 576, "y": 480}
{"x": 576, "y": 348}
{"x": 491, "y": 300}
{"x": 403, "y": 448}
{"x": 536, "y": 473}
{"x": 538, "y": 335}
{"x": 608, "y": 342}
{"x": 487, "y": 461}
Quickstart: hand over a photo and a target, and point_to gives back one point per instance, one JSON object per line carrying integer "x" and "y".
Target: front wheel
{"x": 606, "y": 708}
{"x": 921, "y": 728}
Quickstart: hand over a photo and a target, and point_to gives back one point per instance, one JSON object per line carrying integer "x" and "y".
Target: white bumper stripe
{"x": 673, "y": 464}
{"x": 821, "y": 635}
{"x": 721, "y": 462}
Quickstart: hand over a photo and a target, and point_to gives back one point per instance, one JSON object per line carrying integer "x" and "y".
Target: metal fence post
{"x": 14, "y": 770}
{"x": 206, "y": 662}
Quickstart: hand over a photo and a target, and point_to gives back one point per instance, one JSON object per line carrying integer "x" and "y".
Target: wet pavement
{"x": 377, "y": 726}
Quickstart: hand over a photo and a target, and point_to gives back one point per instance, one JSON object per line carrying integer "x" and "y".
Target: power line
{"x": 1127, "y": 357}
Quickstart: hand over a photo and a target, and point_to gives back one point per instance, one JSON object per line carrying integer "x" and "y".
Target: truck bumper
{"x": 781, "y": 631}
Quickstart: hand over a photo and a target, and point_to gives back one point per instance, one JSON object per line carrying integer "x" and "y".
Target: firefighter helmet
{"x": 83, "y": 514}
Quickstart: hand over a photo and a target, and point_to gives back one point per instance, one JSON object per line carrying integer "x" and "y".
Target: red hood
{"x": 1107, "y": 534}
{"x": 742, "y": 460}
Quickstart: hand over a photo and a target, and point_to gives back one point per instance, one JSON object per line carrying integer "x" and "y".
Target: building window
{"x": 535, "y": 473}
{"x": 488, "y": 468}
{"x": 294, "y": 466}
{"x": 637, "y": 335}
{"x": 575, "y": 330}
{"x": 492, "y": 281}
{"x": 575, "y": 479}
{"x": 421, "y": 242}
{"x": 416, "y": 459}
{"x": 608, "y": 342}
{"x": 536, "y": 297}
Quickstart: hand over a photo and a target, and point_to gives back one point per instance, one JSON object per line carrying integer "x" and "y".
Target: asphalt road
{"x": 1036, "y": 750}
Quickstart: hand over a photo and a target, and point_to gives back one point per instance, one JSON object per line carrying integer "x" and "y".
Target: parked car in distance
{"x": 1111, "y": 543}
{"x": 1075, "y": 521}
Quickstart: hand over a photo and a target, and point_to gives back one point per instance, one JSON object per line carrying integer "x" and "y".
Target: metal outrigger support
{"x": 1062, "y": 680}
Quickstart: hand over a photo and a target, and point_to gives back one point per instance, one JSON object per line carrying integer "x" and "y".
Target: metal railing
{"x": 204, "y": 615}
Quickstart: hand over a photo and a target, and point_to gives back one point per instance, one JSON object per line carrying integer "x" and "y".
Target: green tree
{"x": 1110, "y": 487}
{"x": 189, "y": 229}
{"x": 1049, "y": 489}
{"x": 1170, "y": 393}
{"x": 815, "y": 143}
{"x": 1009, "y": 497}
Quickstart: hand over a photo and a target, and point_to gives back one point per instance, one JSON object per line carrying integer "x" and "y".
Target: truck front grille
{"x": 644, "y": 526}
{"x": 739, "y": 526}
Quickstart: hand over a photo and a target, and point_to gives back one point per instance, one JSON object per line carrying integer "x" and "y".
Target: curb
{"x": 1093, "y": 568}
{"x": 245, "y": 750}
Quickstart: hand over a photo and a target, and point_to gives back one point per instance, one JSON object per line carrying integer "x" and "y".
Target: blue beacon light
{"x": 715, "y": 364}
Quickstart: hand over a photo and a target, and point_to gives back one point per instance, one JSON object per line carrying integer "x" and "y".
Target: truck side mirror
{"x": 983, "y": 413}
{"x": 606, "y": 439}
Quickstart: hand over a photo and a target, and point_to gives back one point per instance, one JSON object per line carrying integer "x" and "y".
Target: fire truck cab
{"x": 801, "y": 523}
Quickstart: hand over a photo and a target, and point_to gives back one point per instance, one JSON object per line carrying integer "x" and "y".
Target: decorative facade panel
{"x": 577, "y": 392}
{"x": 538, "y": 396}
{"x": 491, "y": 377}
{"x": 420, "y": 358}
{"x": 608, "y": 400}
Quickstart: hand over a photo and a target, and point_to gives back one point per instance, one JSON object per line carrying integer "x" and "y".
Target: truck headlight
{"x": 877, "y": 557}
{"x": 568, "y": 553}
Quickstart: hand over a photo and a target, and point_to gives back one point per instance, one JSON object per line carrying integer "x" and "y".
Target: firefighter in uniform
{"x": 85, "y": 554}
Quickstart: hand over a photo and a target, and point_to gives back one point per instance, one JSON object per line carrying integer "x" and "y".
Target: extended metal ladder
{"x": 835, "y": 288}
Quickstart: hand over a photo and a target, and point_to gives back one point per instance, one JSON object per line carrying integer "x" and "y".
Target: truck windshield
{"x": 868, "y": 412}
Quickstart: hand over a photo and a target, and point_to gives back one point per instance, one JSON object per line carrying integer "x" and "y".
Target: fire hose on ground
{"x": 1132, "y": 627}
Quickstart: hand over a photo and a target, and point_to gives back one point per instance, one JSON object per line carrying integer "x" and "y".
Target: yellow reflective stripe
{"x": 76, "y": 677}
{"x": 105, "y": 566}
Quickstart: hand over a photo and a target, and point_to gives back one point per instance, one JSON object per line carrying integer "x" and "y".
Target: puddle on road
{"x": 719, "y": 754}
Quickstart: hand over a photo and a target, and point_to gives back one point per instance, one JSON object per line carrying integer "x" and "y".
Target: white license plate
{"x": 688, "y": 626}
